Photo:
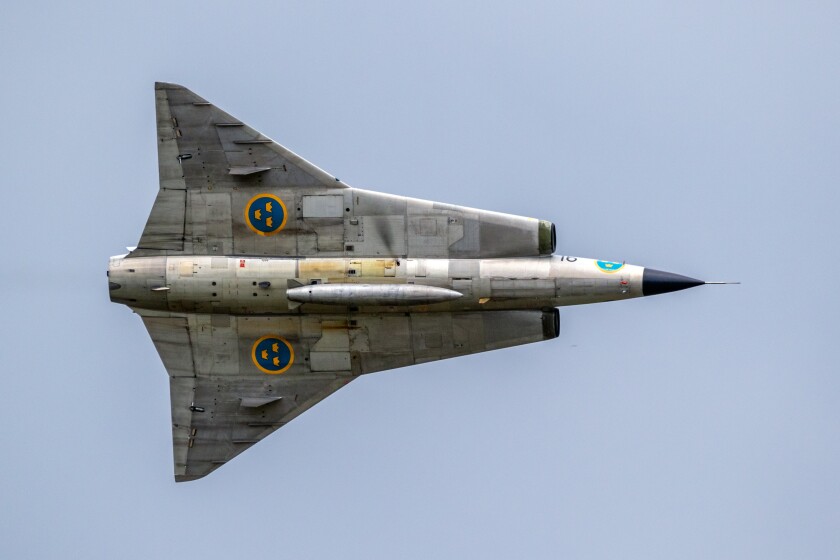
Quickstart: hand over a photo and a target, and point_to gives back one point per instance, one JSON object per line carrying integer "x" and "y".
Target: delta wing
{"x": 226, "y": 189}
{"x": 234, "y": 380}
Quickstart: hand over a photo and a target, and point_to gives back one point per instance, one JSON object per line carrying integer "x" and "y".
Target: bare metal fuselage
{"x": 246, "y": 286}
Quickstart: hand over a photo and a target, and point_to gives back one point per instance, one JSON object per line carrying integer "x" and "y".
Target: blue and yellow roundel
{"x": 265, "y": 214}
{"x": 609, "y": 266}
{"x": 272, "y": 354}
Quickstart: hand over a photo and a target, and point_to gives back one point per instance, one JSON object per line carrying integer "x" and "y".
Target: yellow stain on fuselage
{"x": 320, "y": 268}
{"x": 377, "y": 267}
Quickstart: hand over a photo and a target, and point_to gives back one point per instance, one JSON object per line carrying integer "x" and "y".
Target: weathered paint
{"x": 379, "y": 281}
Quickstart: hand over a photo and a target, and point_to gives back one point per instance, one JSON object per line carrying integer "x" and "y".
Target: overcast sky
{"x": 701, "y": 138}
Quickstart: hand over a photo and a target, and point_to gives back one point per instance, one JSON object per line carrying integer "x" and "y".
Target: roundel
{"x": 272, "y": 354}
{"x": 265, "y": 214}
{"x": 609, "y": 266}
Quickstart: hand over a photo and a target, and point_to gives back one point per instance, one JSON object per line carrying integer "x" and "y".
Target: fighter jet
{"x": 266, "y": 284}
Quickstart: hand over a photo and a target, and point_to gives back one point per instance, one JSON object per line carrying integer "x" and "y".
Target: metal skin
{"x": 526, "y": 283}
{"x": 266, "y": 284}
{"x": 360, "y": 295}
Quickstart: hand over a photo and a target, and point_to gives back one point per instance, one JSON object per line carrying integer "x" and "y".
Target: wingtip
{"x": 167, "y": 85}
{"x": 188, "y": 477}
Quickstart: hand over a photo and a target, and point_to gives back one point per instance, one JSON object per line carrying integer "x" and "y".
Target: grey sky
{"x": 700, "y": 138}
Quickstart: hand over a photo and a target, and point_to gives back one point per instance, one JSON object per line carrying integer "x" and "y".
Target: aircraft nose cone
{"x": 659, "y": 282}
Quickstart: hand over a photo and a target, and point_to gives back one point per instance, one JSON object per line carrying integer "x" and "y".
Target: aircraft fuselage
{"x": 259, "y": 286}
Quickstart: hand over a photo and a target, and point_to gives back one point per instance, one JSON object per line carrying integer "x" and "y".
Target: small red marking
{"x": 241, "y": 263}
{"x": 624, "y": 282}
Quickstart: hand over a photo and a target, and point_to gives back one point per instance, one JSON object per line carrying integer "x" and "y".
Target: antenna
{"x": 721, "y": 283}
